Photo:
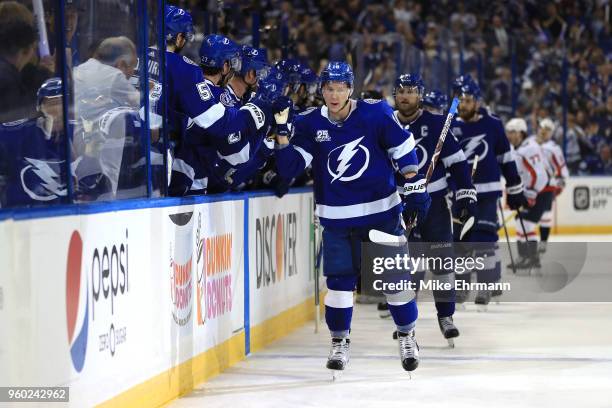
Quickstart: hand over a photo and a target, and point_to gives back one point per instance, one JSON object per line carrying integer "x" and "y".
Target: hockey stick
{"x": 317, "y": 255}
{"x": 43, "y": 42}
{"x": 501, "y": 209}
{"x": 436, "y": 154}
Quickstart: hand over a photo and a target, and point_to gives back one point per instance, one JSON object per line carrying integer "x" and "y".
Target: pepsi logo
{"x": 77, "y": 299}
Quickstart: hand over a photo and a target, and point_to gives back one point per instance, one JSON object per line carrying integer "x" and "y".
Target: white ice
{"x": 514, "y": 355}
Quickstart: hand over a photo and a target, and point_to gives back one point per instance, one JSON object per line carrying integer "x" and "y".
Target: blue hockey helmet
{"x": 178, "y": 21}
{"x": 272, "y": 86}
{"x": 217, "y": 49}
{"x": 436, "y": 100}
{"x": 410, "y": 81}
{"x": 256, "y": 60}
{"x": 465, "y": 85}
{"x": 309, "y": 79}
{"x": 291, "y": 68}
{"x": 308, "y": 76}
{"x": 51, "y": 88}
{"x": 337, "y": 71}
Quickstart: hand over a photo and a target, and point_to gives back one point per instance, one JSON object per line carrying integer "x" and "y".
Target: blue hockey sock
{"x": 404, "y": 315}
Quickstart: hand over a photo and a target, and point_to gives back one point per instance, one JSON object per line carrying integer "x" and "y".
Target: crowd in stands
{"x": 547, "y": 54}
{"x": 532, "y": 59}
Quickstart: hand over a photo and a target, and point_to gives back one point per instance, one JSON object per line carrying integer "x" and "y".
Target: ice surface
{"x": 515, "y": 355}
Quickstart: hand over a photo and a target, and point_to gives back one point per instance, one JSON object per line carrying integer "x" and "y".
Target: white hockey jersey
{"x": 532, "y": 165}
{"x": 556, "y": 163}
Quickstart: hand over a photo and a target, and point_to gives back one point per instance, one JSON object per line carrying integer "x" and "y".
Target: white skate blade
{"x": 467, "y": 226}
{"x": 383, "y": 238}
{"x": 336, "y": 374}
{"x": 451, "y": 343}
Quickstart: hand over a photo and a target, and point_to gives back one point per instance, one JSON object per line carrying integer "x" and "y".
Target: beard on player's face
{"x": 407, "y": 107}
{"x": 407, "y": 102}
{"x": 467, "y": 111}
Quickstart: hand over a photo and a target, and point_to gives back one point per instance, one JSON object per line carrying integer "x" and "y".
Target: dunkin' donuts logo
{"x": 214, "y": 265}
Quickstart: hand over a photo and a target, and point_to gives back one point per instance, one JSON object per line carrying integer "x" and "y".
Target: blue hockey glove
{"x": 516, "y": 197}
{"x": 416, "y": 199}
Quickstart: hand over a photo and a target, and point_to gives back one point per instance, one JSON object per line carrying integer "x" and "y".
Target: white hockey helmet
{"x": 517, "y": 124}
{"x": 547, "y": 123}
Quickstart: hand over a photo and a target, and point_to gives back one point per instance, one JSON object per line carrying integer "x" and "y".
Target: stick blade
{"x": 383, "y": 238}
{"x": 467, "y": 226}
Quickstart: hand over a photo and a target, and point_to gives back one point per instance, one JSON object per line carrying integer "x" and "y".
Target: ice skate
{"x": 460, "y": 297}
{"x": 542, "y": 247}
{"x": 482, "y": 300}
{"x": 408, "y": 350}
{"x": 338, "y": 356}
{"x": 448, "y": 329}
{"x": 383, "y": 310}
{"x": 496, "y": 295}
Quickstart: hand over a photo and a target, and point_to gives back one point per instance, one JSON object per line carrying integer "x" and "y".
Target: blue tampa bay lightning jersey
{"x": 426, "y": 129}
{"x": 219, "y": 163}
{"x": 352, "y": 162}
{"x": 487, "y": 139}
{"x": 32, "y": 163}
{"x": 189, "y": 94}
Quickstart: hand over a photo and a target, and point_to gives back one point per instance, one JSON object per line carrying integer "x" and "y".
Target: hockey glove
{"x": 465, "y": 205}
{"x": 516, "y": 198}
{"x": 276, "y": 183}
{"x": 416, "y": 199}
{"x": 282, "y": 108}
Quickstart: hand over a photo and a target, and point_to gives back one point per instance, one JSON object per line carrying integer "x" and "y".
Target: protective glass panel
{"x": 33, "y": 147}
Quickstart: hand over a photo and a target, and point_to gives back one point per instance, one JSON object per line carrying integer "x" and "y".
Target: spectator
{"x": 106, "y": 104}
{"x": 17, "y": 49}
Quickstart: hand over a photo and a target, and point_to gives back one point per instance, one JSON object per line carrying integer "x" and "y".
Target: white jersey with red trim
{"x": 532, "y": 164}
{"x": 556, "y": 163}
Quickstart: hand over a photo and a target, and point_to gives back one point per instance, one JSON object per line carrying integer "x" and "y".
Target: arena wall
{"x": 137, "y": 306}
{"x": 136, "y": 303}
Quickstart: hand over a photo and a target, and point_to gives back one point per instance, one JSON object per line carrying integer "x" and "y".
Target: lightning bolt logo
{"x": 471, "y": 144}
{"x": 424, "y": 156}
{"x": 344, "y": 160}
{"x": 49, "y": 180}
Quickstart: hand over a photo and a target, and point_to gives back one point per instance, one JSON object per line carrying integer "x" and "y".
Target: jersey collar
{"x": 325, "y": 113}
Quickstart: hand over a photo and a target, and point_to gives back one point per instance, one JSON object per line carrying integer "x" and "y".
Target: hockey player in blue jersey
{"x": 426, "y": 128}
{"x": 32, "y": 153}
{"x": 303, "y": 85}
{"x": 353, "y": 147}
{"x": 435, "y": 102}
{"x": 190, "y": 97}
{"x": 482, "y": 135}
{"x": 261, "y": 145}
{"x": 243, "y": 82}
{"x": 195, "y": 155}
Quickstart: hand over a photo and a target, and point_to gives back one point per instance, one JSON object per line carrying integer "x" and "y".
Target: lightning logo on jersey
{"x": 344, "y": 159}
{"x": 423, "y": 152}
{"x": 472, "y": 146}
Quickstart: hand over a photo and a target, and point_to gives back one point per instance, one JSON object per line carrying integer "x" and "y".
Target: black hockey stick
{"x": 436, "y": 154}
{"x": 501, "y": 210}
